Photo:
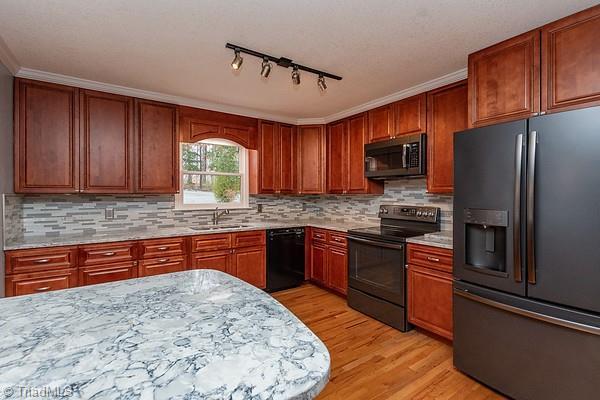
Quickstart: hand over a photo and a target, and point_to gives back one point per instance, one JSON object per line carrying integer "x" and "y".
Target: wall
{"x": 6, "y": 156}
{"x": 81, "y": 215}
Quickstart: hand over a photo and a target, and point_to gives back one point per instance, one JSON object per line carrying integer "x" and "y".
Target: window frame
{"x": 243, "y": 174}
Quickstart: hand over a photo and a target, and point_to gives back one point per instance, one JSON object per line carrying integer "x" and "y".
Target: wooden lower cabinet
{"x": 318, "y": 263}
{"x": 164, "y": 265}
{"x": 218, "y": 260}
{"x": 96, "y": 274}
{"x": 429, "y": 291}
{"x": 39, "y": 282}
{"x": 249, "y": 265}
{"x": 328, "y": 260}
{"x": 337, "y": 269}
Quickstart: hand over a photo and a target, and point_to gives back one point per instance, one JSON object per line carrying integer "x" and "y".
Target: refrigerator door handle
{"x": 527, "y": 313}
{"x": 517, "y": 209}
{"x": 531, "y": 272}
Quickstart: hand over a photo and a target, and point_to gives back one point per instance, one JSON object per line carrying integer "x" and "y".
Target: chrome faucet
{"x": 218, "y": 214}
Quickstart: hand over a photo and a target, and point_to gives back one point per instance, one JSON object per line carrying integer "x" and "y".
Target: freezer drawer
{"x": 523, "y": 348}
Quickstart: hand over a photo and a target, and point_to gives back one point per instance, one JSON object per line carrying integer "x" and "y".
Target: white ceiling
{"x": 380, "y": 47}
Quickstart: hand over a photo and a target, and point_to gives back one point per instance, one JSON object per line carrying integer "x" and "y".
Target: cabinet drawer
{"x": 108, "y": 253}
{"x": 337, "y": 239}
{"x": 319, "y": 235}
{"x": 162, "y": 248}
{"x": 248, "y": 239}
{"x": 218, "y": 260}
{"x": 430, "y": 300}
{"x": 430, "y": 257}
{"x": 211, "y": 242}
{"x": 17, "y": 285}
{"x": 164, "y": 265}
{"x": 107, "y": 273}
{"x": 45, "y": 259}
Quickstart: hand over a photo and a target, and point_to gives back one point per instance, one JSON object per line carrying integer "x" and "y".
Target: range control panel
{"x": 409, "y": 213}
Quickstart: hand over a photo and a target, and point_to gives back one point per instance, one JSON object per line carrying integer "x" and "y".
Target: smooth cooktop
{"x": 395, "y": 233}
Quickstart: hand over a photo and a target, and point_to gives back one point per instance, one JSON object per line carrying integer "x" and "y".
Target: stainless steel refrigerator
{"x": 527, "y": 255}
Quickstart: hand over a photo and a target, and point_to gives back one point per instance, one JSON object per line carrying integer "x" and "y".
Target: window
{"x": 213, "y": 174}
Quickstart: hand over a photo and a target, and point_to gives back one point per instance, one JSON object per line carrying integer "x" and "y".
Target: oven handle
{"x": 377, "y": 243}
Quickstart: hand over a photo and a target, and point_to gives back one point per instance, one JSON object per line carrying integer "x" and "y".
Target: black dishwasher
{"x": 285, "y": 258}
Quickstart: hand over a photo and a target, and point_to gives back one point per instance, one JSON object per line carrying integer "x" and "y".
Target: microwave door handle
{"x": 404, "y": 156}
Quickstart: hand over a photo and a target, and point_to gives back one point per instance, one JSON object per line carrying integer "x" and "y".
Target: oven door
{"x": 377, "y": 268}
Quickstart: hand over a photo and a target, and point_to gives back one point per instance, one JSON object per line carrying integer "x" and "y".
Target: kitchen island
{"x": 198, "y": 334}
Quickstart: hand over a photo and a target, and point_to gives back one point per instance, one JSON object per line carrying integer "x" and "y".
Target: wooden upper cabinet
{"x": 447, "y": 114}
{"x": 46, "y": 140}
{"x": 504, "y": 81}
{"x": 410, "y": 115}
{"x": 381, "y": 123}
{"x": 358, "y": 135}
{"x": 268, "y": 158}
{"x": 106, "y": 142}
{"x": 571, "y": 62}
{"x": 337, "y": 157}
{"x": 287, "y": 158}
{"x": 311, "y": 159}
{"x": 157, "y": 147}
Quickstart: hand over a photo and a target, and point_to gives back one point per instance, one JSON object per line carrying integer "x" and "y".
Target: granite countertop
{"x": 194, "y": 334}
{"x": 441, "y": 239}
{"x": 123, "y": 235}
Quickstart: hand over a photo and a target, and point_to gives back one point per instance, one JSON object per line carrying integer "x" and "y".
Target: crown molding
{"x": 7, "y": 58}
{"x": 247, "y": 112}
{"x": 402, "y": 94}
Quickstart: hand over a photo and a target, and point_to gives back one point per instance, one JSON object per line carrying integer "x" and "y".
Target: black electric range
{"x": 377, "y": 261}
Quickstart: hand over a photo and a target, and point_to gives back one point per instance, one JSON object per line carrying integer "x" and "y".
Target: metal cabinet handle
{"x": 43, "y": 289}
{"x": 42, "y": 261}
{"x": 434, "y": 259}
{"x": 163, "y": 260}
{"x": 109, "y": 253}
{"x": 163, "y": 248}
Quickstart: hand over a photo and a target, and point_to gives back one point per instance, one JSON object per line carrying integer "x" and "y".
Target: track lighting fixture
{"x": 237, "y": 60}
{"x": 295, "y": 76}
{"x": 266, "y": 67}
{"x": 321, "y": 83}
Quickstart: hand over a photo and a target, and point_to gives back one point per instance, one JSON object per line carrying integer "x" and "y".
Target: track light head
{"x": 237, "y": 61}
{"x": 295, "y": 76}
{"x": 265, "y": 70}
{"x": 321, "y": 83}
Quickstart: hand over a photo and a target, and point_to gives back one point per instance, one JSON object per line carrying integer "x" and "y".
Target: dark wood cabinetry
{"x": 40, "y": 282}
{"x": 311, "y": 159}
{"x": 96, "y": 274}
{"x": 249, "y": 264}
{"x": 346, "y": 158}
{"x": 107, "y": 154}
{"x": 277, "y": 158}
{"x": 157, "y": 147}
{"x": 447, "y": 113}
{"x": 328, "y": 260}
{"x": 381, "y": 123}
{"x": 430, "y": 288}
{"x": 504, "y": 80}
{"x": 46, "y": 140}
{"x": 404, "y": 117}
{"x": 571, "y": 62}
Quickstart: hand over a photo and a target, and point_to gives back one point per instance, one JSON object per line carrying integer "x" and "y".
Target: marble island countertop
{"x": 197, "y": 334}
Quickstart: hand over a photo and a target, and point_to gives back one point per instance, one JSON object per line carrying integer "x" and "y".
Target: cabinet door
{"x": 218, "y": 260}
{"x": 337, "y": 157}
{"x": 318, "y": 263}
{"x": 311, "y": 159}
{"x": 571, "y": 62}
{"x": 430, "y": 300}
{"x": 46, "y": 138}
{"x": 287, "y": 158}
{"x": 39, "y": 282}
{"x": 447, "y": 114}
{"x": 107, "y": 273}
{"x": 269, "y": 158}
{"x": 410, "y": 115}
{"x": 250, "y": 265}
{"x": 357, "y": 137}
{"x": 337, "y": 269}
{"x": 157, "y": 147}
{"x": 381, "y": 123}
{"x": 106, "y": 142}
{"x": 504, "y": 81}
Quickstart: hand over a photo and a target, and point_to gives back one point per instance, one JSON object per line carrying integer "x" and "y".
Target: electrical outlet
{"x": 109, "y": 213}
{"x": 259, "y": 208}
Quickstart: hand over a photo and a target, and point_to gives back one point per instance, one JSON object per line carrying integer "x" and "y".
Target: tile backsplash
{"x": 53, "y": 215}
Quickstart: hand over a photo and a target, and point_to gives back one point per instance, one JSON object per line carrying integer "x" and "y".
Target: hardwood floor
{"x": 373, "y": 361}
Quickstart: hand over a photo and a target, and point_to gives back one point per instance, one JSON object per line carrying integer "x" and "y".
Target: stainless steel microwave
{"x": 401, "y": 157}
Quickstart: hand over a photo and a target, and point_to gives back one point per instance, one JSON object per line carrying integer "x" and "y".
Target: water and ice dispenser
{"x": 485, "y": 241}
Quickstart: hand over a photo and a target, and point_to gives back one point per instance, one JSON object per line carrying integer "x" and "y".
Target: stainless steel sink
{"x": 219, "y": 227}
